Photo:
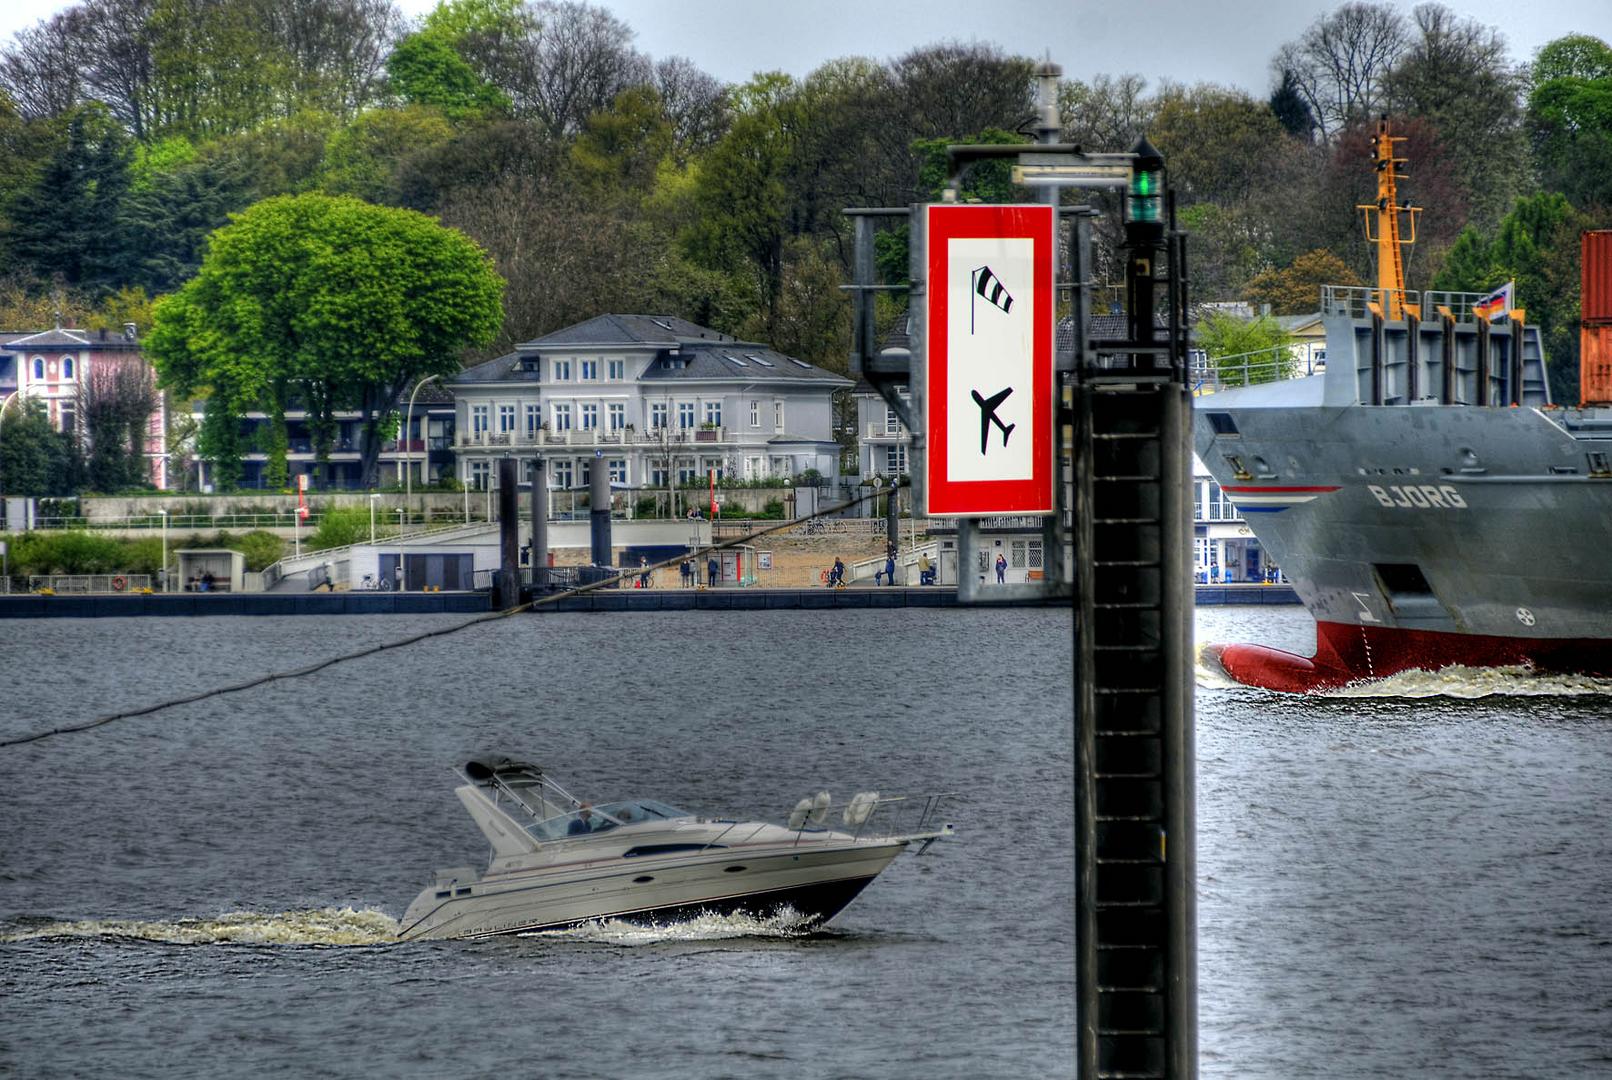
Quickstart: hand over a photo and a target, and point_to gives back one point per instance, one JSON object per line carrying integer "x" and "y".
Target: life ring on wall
{"x": 119, "y": 583}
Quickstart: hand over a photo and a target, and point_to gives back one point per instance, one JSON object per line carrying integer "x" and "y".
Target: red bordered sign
{"x": 989, "y": 389}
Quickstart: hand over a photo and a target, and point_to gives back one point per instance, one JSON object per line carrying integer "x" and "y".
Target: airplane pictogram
{"x": 988, "y": 416}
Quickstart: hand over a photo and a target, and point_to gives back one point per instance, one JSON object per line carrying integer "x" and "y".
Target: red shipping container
{"x": 1596, "y": 248}
{"x": 1595, "y": 364}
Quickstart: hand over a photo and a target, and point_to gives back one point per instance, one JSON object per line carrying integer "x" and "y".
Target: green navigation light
{"x": 1143, "y": 201}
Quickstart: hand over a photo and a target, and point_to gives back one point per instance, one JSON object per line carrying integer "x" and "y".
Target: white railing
{"x": 89, "y": 583}
{"x": 180, "y": 522}
{"x": 1354, "y": 302}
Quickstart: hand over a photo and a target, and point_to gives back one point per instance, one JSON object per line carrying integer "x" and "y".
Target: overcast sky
{"x": 1224, "y": 41}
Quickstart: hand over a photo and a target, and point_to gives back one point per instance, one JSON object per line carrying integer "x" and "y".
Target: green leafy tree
{"x": 1245, "y": 351}
{"x": 426, "y": 69}
{"x": 1570, "y": 117}
{"x": 331, "y": 301}
{"x": 35, "y": 459}
{"x": 363, "y": 158}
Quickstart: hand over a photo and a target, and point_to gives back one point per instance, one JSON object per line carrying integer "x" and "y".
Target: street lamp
{"x": 402, "y": 573}
{"x": 165, "y": 548}
{"x": 372, "y": 498}
{"x": 408, "y": 420}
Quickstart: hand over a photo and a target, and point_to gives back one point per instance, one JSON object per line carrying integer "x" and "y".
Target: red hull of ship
{"x": 1346, "y": 653}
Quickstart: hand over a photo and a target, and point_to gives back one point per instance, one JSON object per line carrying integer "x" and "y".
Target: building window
{"x": 618, "y": 415}
{"x": 688, "y": 472}
{"x": 685, "y": 414}
{"x": 778, "y": 416}
{"x": 562, "y": 371}
{"x": 506, "y": 419}
{"x": 713, "y": 413}
{"x": 480, "y": 475}
{"x": 590, "y": 370}
{"x": 534, "y": 420}
{"x": 478, "y": 419}
{"x": 657, "y": 415}
{"x": 562, "y": 474}
{"x": 657, "y": 474}
{"x": 590, "y": 416}
{"x": 892, "y": 422}
{"x": 755, "y": 414}
{"x": 67, "y": 367}
{"x": 617, "y": 370}
{"x": 39, "y": 367}
{"x": 69, "y": 416}
{"x": 895, "y": 460}
{"x": 618, "y": 470}
{"x": 562, "y": 417}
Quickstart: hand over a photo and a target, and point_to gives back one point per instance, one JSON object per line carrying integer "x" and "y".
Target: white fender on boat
{"x": 860, "y": 806}
{"x": 797, "y": 816}
{"x": 819, "y": 812}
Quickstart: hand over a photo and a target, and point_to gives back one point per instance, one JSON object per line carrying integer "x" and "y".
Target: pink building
{"x": 49, "y": 366}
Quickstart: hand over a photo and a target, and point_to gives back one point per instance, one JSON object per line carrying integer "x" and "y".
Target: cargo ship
{"x": 1427, "y": 500}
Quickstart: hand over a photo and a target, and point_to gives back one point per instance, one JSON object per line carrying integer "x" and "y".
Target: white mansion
{"x": 658, "y": 399}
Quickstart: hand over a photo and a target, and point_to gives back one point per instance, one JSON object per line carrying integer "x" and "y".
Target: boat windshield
{"x": 602, "y": 818}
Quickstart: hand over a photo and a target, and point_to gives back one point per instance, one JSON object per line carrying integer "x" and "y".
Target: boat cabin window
{"x": 1222, "y": 423}
{"x": 602, "y": 818}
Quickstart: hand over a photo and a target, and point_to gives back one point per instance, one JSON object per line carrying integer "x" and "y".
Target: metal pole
{"x": 164, "y": 514}
{"x": 599, "y": 511}
{"x": 372, "y": 521}
{"x": 540, "y": 523}
{"x": 403, "y": 572}
{"x": 509, "y": 538}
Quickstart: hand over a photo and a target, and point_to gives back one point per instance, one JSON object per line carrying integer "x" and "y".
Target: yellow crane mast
{"x": 1389, "y": 214}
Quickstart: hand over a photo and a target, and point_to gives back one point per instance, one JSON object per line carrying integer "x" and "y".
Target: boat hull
{"x": 1350, "y": 653}
{"x": 1421, "y": 536}
{"x": 817, "y": 884}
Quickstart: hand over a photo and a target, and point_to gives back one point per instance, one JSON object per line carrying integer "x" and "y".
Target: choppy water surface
{"x": 1408, "y": 878}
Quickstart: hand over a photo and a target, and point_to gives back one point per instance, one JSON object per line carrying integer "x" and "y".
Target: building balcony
{"x": 879, "y": 433}
{"x": 592, "y": 438}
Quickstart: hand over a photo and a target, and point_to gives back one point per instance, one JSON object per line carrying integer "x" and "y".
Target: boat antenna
{"x": 1390, "y": 224}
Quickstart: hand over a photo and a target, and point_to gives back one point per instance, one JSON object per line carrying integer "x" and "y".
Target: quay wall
{"x": 28, "y": 606}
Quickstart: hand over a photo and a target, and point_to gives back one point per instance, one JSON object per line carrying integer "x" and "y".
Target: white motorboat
{"x": 559, "y": 862}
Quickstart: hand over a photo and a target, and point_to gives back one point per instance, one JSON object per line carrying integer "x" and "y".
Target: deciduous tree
{"x": 342, "y": 303}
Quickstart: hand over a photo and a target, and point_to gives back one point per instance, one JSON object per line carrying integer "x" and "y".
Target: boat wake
{"x": 1457, "y": 681}
{"x": 787, "y": 923}
{"x": 320, "y": 926}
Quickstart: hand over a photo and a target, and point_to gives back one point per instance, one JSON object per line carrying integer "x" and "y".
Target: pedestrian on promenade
{"x": 686, "y": 569}
{"x": 713, "y": 571}
{"x": 397, "y": 575}
{"x": 1001, "y": 568}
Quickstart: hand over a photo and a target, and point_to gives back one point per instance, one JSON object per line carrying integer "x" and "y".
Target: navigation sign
{"x": 989, "y": 389}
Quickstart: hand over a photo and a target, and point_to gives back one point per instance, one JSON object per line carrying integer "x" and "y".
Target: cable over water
{"x": 478, "y": 620}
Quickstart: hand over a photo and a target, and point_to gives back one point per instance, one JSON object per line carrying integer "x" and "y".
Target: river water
{"x": 1411, "y": 878}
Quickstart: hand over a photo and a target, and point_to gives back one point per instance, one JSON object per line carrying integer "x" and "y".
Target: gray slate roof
{"x": 705, "y": 353}
{"x": 739, "y": 360}
{"x": 504, "y": 368}
{"x": 627, "y": 330}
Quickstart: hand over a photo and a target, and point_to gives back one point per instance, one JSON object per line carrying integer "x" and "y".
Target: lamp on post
{"x": 164, "y": 514}
{"x": 402, "y": 580}
{"x": 403, "y": 443}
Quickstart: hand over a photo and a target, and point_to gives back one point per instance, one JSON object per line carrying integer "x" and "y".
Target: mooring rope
{"x": 491, "y": 616}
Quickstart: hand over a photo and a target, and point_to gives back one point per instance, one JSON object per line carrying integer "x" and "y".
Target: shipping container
{"x": 1596, "y": 248}
{"x": 1595, "y": 364}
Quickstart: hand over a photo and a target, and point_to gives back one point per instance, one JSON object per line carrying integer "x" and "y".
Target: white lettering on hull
{"x": 1418, "y": 496}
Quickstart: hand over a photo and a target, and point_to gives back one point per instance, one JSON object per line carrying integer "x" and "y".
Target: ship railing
{"x": 1353, "y": 301}
{"x": 1246, "y": 369}
{"x": 867, "y": 816}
